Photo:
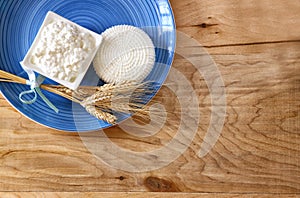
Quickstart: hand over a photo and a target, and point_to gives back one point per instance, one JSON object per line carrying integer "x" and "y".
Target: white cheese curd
{"x": 61, "y": 50}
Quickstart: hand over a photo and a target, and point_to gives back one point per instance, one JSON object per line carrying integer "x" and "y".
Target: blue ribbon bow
{"x": 34, "y": 84}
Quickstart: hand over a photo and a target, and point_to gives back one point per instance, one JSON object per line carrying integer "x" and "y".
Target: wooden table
{"x": 256, "y": 47}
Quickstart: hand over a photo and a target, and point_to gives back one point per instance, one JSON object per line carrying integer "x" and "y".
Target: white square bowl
{"x": 52, "y": 17}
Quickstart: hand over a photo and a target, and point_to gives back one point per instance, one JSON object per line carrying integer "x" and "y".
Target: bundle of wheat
{"x": 101, "y": 101}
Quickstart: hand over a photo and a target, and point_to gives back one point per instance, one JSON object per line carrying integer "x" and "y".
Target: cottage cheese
{"x": 61, "y": 50}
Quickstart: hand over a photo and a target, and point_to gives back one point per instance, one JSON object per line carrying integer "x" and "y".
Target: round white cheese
{"x": 127, "y": 53}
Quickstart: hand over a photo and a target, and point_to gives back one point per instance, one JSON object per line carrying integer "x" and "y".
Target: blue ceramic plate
{"x": 21, "y": 20}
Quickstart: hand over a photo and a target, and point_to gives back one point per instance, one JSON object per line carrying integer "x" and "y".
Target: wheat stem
{"x": 100, "y": 101}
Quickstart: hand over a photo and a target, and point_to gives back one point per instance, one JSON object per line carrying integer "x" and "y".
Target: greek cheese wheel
{"x": 127, "y": 53}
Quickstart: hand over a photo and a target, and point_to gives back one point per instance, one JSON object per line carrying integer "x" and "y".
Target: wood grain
{"x": 258, "y": 154}
{"x": 139, "y": 195}
{"x": 237, "y": 22}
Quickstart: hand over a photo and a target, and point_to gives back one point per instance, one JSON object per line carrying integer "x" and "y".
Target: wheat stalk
{"x": 100, "y": 101}
{"x": 101, "y": 114}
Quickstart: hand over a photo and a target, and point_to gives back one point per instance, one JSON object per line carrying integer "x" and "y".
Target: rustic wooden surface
{"x": 256, "y": 45}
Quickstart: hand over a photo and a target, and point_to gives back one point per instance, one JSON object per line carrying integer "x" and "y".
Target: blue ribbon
{"x": 34, "y": 84}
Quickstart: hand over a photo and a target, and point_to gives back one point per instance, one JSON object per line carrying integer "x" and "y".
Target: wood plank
{"x": 141, "y": 195}
{"x": 231, "y": 22}
{"x": 256, "y": 47}
{"x": 258, "y": 151}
